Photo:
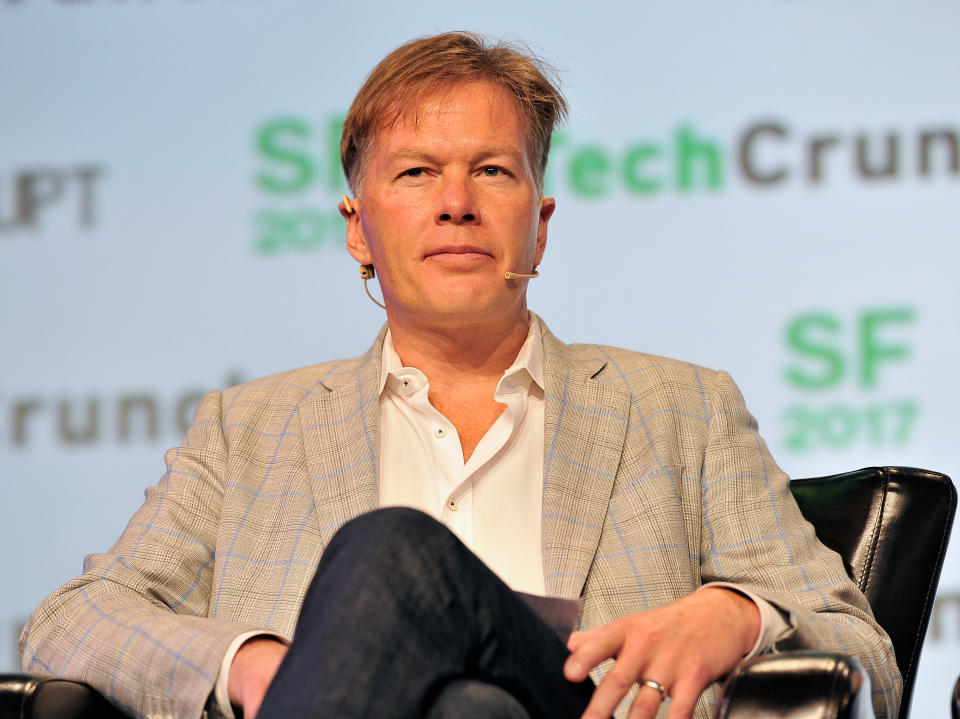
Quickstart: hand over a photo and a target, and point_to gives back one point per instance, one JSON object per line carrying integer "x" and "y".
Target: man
{"x": 651, "y": 482}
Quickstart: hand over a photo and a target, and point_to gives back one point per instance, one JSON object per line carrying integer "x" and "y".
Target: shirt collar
{"x": 528, "y": 364}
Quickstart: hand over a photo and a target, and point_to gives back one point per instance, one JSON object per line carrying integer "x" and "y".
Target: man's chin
{"x": 471, "y": 311}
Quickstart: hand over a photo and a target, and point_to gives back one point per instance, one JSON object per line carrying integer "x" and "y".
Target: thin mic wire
{"x": 375, "y": 301}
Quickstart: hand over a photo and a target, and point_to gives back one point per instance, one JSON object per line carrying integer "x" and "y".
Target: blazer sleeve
{"x": 754, "y": 535}
{"x": 135, "y": 623}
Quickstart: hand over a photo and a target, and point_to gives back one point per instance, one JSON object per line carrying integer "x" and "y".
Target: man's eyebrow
{"x": 409, "y": 154}
{"x": 421, "y": 155}
{"x": 508, "y": 150}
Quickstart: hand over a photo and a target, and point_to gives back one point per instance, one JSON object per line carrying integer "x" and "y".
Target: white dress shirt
{"x": 493, "y": 501}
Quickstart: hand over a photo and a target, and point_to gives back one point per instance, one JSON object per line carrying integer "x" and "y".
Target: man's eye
{"x": 491, "y": 171}
{"x": 414, "y": 172}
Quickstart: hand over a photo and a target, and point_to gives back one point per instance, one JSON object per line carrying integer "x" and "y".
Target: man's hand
{"x": 253, "y": 668}
{"x": 685, "y": 646}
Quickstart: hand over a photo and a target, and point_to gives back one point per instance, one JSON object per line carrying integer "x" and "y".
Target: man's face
{"x": 448, "y": 205}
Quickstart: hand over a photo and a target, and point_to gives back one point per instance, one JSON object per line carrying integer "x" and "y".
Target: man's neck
{"x": 463, "y": 366}
{"x": 477, "y": 353}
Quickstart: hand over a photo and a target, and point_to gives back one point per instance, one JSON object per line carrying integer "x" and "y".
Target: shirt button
{"x": 452, "y": 504}
{"x": 440, "y": 432}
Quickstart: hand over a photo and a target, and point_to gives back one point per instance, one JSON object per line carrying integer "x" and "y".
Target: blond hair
{"x": 437, "y": 63}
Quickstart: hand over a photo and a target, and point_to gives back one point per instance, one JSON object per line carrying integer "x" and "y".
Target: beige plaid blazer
{"x": 655, "y": 482}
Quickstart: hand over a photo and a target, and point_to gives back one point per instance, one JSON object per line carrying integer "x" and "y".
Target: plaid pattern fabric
{"x": 655, "y": 482}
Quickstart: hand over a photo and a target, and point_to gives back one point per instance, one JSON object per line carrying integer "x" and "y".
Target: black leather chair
{"x": 890, "y": 525}
{"x": 795, "y": 685}
{"x": 27, "y": 696}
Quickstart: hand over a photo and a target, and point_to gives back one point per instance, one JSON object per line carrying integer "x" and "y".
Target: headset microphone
{"x": 520, "y": 275}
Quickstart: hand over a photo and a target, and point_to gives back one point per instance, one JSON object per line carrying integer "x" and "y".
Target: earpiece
{"x": 368, "y": 273}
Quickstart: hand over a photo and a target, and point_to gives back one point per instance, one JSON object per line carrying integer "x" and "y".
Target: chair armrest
{"x": 35, "y": 696}
{"x": 791, "y": 685}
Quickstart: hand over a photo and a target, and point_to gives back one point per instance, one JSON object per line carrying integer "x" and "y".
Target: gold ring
{"x": 655, "y": 685}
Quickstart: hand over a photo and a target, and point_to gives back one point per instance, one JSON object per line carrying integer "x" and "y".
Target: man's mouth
{"x": 459, "y": 250}
{"x": 459, "y": 255}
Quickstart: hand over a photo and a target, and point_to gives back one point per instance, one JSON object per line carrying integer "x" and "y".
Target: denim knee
{"x": 388, "y": 535}
{"x": 470, "y": 698}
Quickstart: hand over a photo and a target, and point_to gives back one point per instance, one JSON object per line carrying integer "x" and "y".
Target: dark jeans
{"x": 402, "y": 620}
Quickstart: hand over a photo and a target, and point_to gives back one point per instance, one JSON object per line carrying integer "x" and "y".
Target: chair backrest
{"x": 891, "y": 526}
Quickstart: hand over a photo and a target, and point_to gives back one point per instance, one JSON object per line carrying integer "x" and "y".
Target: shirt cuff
{"x": 220, "y": 689}
{"x": 772, "y": 623}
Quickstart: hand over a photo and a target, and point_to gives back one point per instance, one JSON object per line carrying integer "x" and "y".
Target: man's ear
{"x": 356, "y": 242}
{"x": 547, "y": 206}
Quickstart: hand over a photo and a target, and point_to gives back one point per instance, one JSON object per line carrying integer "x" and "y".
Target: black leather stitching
{"x": 875, "y": 532}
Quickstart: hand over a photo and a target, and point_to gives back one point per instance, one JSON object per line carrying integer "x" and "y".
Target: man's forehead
{"x": 408, "y": 110}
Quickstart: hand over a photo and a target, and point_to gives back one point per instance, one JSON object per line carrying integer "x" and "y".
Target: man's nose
{"x": 457, "y": 203}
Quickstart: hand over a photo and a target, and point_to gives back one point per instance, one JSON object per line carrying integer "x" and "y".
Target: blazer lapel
{"x": 340, "y": 423}
{"x": 585, "y": 422}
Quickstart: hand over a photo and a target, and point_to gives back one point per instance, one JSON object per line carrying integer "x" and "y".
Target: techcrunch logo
{"x": 29, "y": 196}
{"x": 98, "y": 418}
{"x": 296, "y": 160}
{"x": 831, "y": 353}
{"x": 765, "y": 154}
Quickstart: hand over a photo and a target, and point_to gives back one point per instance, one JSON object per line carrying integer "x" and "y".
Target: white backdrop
{"x": 768, "y": 187}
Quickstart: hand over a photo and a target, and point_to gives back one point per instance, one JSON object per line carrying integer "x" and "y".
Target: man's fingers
{"x": 601, "y": 644}
{"x": 576, "y": 639}
{"x": 608, "y": 694}
{"x": 682, "y": 646}
{"x": 684, "y": 697}
{"x": 615, "y": 685}
{"x": 646, "y": 703}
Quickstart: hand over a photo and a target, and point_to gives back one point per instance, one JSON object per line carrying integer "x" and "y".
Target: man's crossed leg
{"x": 403, "y": 620}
